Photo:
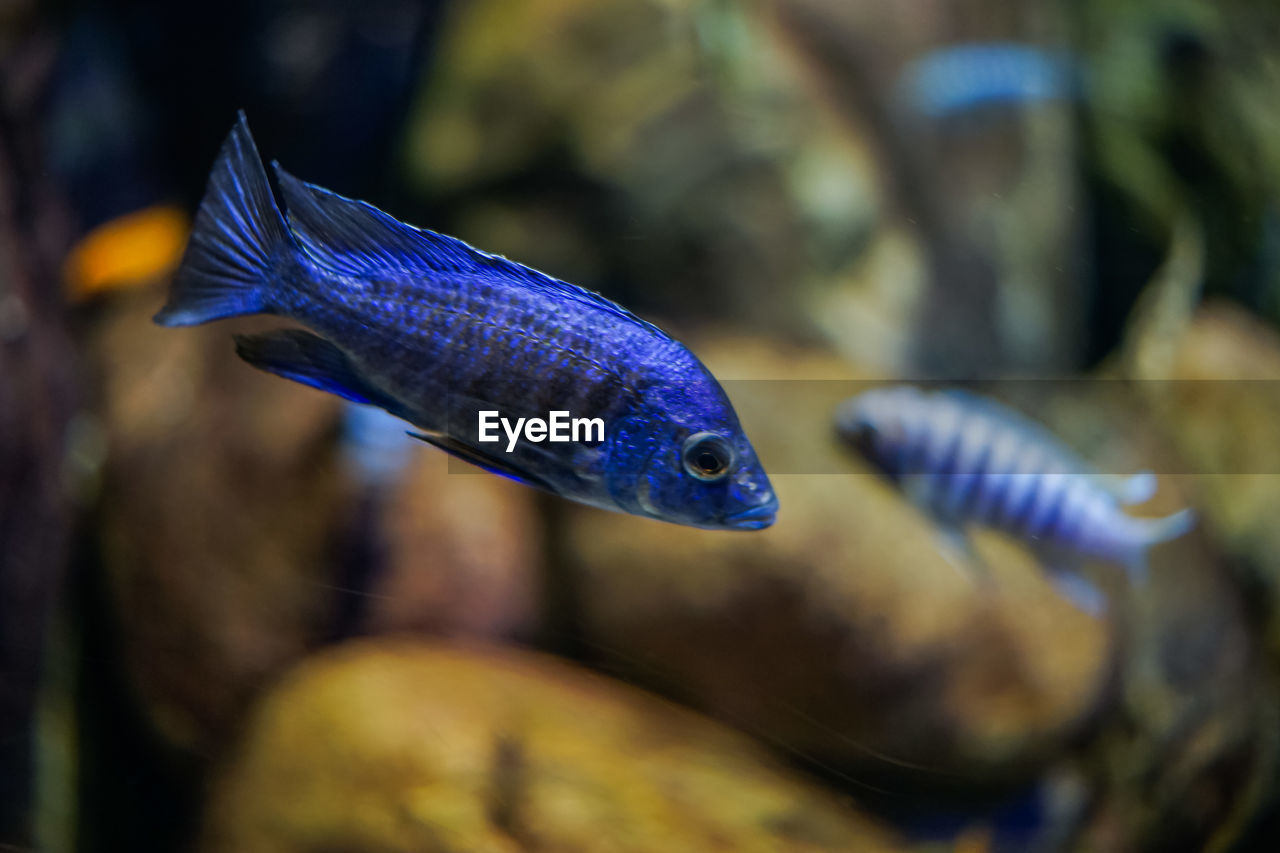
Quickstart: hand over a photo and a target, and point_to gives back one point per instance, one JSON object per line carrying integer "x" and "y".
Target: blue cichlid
{"x": 966, "y": 459}
{"x": 435, "y": 332}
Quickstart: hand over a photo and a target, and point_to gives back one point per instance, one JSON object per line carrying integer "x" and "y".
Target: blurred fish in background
{"x": 1071, "y": 202}
{"x": 966, "y": 459}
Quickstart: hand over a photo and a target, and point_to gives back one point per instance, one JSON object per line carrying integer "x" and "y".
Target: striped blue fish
{"x": 968, "y": 460}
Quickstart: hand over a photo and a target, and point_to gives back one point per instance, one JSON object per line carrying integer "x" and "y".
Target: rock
{"x": 395, "y": 745}
{"x": 1220, "y": 410}
{"x": 1194, "y": 758}
{"x": 847, "y": 635}
{"x": 692, "y": 172}
{"x": 843, "y": 633}
{"x": 462, "y": 553}
{"x": 983, "y": 198}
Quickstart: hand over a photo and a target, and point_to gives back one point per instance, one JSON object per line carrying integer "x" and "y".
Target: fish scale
{"x": 436, "y": 332}
{"x": 452, "y": 320}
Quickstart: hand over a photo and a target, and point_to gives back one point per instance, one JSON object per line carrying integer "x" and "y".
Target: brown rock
{"x": 1221, "y": 412}
{"x": 463, "y": 553}
{"x": 846, "y": 634}
{"x": 682, "y": 177}
{"x": 1190, "y": 762}
{"x": 1220, "y": 408}
{"x": 388, "y": 745}
{"x": 843, "y": 632}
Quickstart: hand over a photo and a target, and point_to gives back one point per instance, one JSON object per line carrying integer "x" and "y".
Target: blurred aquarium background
{"x": 237, "y": 614}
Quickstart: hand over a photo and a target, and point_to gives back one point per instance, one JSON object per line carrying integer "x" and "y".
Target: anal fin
{"x": 957, "y": 548}
{"x": 1081, "y": 592}
{"x": 1066, "y": 571}
{"x": 311, "y": 360}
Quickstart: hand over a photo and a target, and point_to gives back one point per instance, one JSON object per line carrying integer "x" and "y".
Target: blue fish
{"x": 437, "y": 332}
{"x": 960, "y": 78}
{"x": 965, "y": 460}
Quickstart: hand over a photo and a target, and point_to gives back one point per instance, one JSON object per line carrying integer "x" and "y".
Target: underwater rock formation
{"x": 1220, "y": 405}
{"x": 392, "y": 745}
{"x": 849, "y": 634}
{"x": 461, "y": 552}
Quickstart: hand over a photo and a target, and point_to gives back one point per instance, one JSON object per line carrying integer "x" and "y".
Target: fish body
{"x": 969, "y": 460}
{"x": 436, "y": 332}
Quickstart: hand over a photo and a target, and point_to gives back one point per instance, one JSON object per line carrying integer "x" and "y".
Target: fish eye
{"x": 863, "y": 437}
{"x": 707, "y": 456}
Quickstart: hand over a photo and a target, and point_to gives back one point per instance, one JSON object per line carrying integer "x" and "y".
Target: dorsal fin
{"x": 356, "y": 238}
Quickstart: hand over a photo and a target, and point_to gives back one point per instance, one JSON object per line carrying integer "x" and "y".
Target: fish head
{"x": 873, "y": 423}
{"x": 701, "y": 473}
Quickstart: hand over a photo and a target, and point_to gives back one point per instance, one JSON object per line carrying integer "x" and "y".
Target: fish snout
{"x": 755, "y": 517}
{"x": 759, "y": 504}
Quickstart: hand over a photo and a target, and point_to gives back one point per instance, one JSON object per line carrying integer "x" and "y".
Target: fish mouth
{"x": 754, "y": 518}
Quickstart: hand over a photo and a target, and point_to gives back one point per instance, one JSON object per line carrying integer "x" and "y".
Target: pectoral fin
{"x": 957, "y": 548}
{"x": 1081, "y": 592}
{"x": 1066, "y": 572}
{"x": 490, "y": 463}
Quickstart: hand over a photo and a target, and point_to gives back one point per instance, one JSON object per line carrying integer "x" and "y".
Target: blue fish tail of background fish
{"x": 237, "y": 243}
{"x": 1170, "y": 527}
{"x": 1153, "y": 531}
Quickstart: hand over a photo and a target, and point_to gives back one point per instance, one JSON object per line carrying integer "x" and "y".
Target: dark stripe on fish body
{"x": 949, "y": 450}
{"x": 976, "y": 451}
{"x": 914, "y": 447}
{"x": 1013, "y": 503}
{"x": 1014, "y": 485}
{"x": 1075, "y": 506}
{"x": 956, "y": 476}
{"x": 1054, "y": 493}
{"x": 1025, "y": 523}
{"x": 1028, "y": 486}
{"x": 979, "y": 466}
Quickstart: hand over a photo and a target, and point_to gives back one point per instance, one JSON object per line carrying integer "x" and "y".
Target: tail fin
{"x": 1170, "y": 527}
{"x": 1153, "y": 531}
{"x": 235, "y": 243}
